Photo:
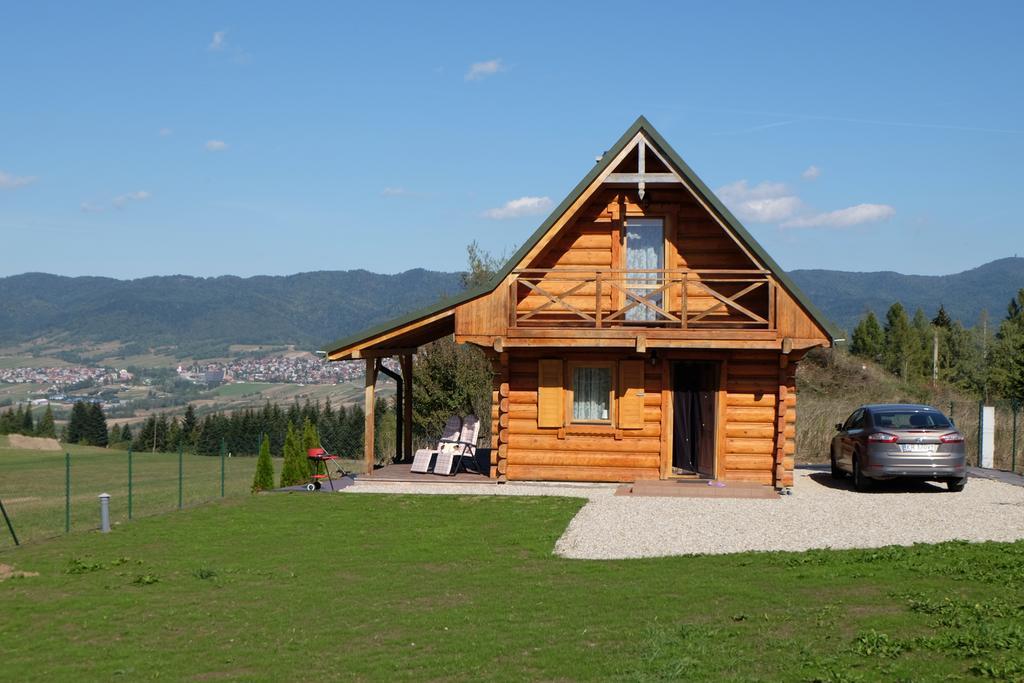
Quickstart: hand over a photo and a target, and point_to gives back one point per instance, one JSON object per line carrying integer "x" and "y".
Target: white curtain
{"x": 591, "y": 388}
{"x": 645, "y": 250}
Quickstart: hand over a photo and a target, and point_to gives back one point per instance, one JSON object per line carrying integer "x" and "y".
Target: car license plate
{"x": 918, "y": 447}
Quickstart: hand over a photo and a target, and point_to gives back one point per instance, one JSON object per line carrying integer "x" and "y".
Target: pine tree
{"x": 76, "y": 427}
{"x": 45, "y": 427}
{"x": 293, "y": 471}
{"x": 921, "y": 348}
{"x": 162, "y": 432}
{"x": 868, "y": 339}
{"x": 264, "y": 477}
{"x": 95, "y": 431}
{"x": 7, "y": 421}
{"x": 28, "y": 425}
{"x": 310, "y": 440}
{"x": 143, "y": 441}
{"x": 188, "y": 426}
{"x": 942, "y": 319}
{"x": 126, "y": 433}
{"x": 898, "y": 341}
{"x": 1007, "y": 354}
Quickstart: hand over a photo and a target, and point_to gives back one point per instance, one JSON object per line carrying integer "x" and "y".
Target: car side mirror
{"x": 839, "y": 426}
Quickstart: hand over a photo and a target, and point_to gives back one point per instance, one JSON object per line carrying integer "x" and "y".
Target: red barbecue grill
{"x": 321, "y": 462}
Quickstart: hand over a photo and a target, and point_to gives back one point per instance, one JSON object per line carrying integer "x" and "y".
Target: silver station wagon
{"x": 885, "y": 441}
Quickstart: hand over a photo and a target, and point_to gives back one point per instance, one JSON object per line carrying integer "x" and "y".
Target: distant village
{"x": 272, "y": 369}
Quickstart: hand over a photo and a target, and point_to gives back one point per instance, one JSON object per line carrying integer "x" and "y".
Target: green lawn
{"x": 292, "y": 587}
{"x": 32, "y": 486}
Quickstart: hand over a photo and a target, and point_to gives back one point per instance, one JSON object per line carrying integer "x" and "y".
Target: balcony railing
{"x": 682, "y": 299}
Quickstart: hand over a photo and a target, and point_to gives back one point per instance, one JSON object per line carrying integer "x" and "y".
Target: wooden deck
{"x": 399, "y": 472}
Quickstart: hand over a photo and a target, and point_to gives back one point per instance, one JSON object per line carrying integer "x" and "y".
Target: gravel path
{"x": 820, "y": 514}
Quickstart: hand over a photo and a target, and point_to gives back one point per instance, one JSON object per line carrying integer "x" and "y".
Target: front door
{"x": 694, "y": 390}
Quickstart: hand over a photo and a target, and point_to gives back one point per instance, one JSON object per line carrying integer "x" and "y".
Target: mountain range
{"x": 310, "y": 309}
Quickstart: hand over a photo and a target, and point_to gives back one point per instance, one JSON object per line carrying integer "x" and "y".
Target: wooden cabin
{"x": 640, "y": 333}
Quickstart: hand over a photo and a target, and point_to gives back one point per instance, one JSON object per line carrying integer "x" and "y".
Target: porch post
{"x": 406, "y": 361}
{"x": 371, "y": 381}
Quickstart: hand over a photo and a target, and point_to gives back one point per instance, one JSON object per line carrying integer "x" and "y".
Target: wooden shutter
{"x": 549, "y": 393}
{"x": 631, "y": 394}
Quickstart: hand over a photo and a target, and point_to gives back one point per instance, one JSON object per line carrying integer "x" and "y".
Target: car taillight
{"x": 952, "y": 437}
{"x": 883, "y": 437}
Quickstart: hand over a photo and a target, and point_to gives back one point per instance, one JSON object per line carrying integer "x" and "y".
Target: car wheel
{"x": 837, "y": 473}
{"x": 860, "y": 481}
{"x": 956, "y": 485}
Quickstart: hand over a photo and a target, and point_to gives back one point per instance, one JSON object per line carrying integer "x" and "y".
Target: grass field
{"x": 234, "y": 390}
{"x": 291, "y": 587}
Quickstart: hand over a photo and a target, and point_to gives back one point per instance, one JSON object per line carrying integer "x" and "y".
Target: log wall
{"x": 756, "y": 424}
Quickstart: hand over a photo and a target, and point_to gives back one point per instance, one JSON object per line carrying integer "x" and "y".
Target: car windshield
{"x": 911, "y": 419}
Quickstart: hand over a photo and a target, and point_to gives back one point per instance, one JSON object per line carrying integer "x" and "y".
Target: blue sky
{"x": 245, "y": 138}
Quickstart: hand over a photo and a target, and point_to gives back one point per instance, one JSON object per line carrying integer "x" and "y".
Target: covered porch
{"x": 399, "y": 340}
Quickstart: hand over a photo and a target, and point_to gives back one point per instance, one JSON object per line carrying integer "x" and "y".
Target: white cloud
{"x": 516, "y": 208}
{"x": 11, "y": 182}
{"x": 218, "y": 42}
{"x": 118, "y": 202}
{"x": 811, "y": 173}
{"x": 164, "y": 132}
{"x": 216, "y": 146}
{"x": 766, "y": 202}
{"x": 843, "y": 218}
{"x": 395, "y": 192}
{"x": 480, "y": 70}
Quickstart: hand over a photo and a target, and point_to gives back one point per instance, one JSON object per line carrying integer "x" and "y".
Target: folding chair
{"x": 423, "y": 460}
{"x": 451, "y": 459}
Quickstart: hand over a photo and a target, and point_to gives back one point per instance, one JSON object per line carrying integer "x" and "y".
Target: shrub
{"x": 264, "y": 477}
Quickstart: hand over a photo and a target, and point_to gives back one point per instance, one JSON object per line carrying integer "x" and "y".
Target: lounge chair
{"x": 463, "y": 452}
{"x": 450, "y": 436}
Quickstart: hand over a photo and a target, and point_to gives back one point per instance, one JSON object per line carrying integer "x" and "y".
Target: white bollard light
{"x": 105, "y": 512}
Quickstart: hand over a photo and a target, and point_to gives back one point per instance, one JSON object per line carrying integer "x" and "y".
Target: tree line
{"x": 338, "y": 429}
{"x": 21, "y": 421}
{"x": 972, "y": 358}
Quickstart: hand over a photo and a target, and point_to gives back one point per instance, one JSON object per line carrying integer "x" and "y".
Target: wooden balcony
{"x": 666, "y": 299}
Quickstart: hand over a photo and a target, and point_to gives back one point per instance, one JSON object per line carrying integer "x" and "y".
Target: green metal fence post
{"x": 10, "y": 527}
{"x": 181, "y": 475}
{"x": 129, "y": 482}
{"x": 67, "y": 492}
{"x": 222, "y": 468}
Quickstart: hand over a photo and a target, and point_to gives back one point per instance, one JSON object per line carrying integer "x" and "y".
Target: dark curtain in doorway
{"x": 693, "y": 417}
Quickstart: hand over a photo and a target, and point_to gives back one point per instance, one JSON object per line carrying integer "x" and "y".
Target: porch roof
{"x": 417, "y": 321}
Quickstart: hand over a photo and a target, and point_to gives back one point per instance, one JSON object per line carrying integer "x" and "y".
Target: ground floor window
{"x": 591, "y": 392}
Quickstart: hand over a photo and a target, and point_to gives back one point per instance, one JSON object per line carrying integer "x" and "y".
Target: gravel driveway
{"x": 821, "y": 513}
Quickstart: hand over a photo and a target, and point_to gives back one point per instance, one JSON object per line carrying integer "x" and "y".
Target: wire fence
{"x": 45, "y": 494}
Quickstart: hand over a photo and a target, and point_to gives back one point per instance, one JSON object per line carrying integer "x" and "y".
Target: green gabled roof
{"x": 640, "y": 125}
